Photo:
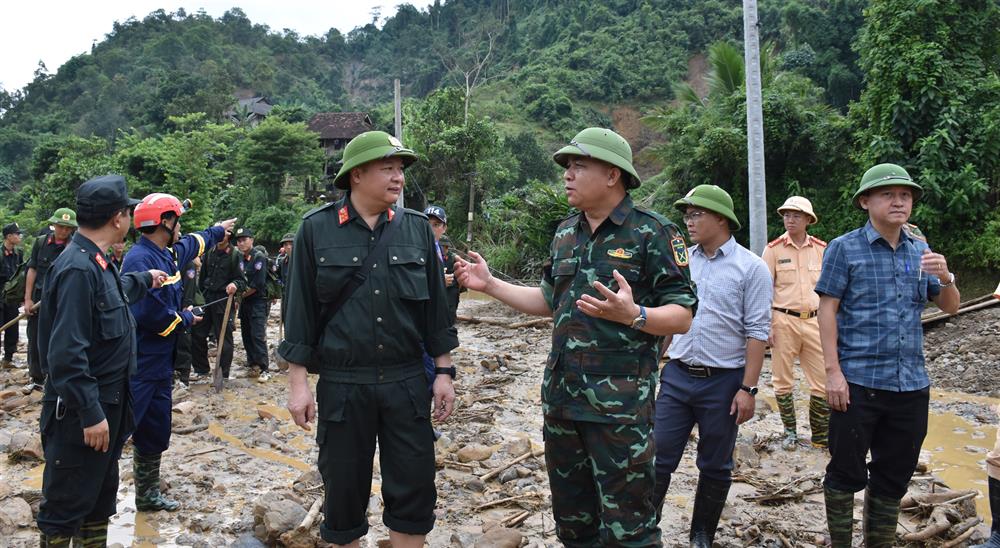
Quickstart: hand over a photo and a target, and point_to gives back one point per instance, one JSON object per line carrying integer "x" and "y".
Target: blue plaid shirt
{"x": 882, "y": 293}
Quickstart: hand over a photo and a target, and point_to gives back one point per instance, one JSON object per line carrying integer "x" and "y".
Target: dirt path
{"x": 240, "y": 451}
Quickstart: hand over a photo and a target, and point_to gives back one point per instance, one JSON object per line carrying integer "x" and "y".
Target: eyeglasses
{"x": 693, "y": 216}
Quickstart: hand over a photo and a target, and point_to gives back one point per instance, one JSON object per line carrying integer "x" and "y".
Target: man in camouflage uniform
{"x": 616, "y": 281}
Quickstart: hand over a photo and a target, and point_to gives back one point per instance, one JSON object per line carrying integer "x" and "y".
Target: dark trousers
{"x": 351, "y": 418}
{"x": 253, "y": 328}
{"x": 34, "y": 363}
{"x": 601, "y": 476}
{"x": 892, "y": 425}
{"x": 79, "y": 484}
{"x": 8, "y": 312}
{"x": 684, "y": 401}
{"x": 182, "y": 355}
{"x": 212, "y": 323}
{"x": 151, "y": 405}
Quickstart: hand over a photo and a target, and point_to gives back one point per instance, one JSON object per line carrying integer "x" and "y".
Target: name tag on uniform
{"x": 783, "y": 261}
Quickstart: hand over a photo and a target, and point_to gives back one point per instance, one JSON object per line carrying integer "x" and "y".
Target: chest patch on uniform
{"x": 784, "y": 261}
{"x": 100, "y": 260}
{"x": 343, "y": 215}
{"x": 242, "y": 268}
{"x": 680, "y": 251}
{"x": 258, "y": 265}
{"x": 620, "y": 253}
{"x": 190, "y": 274}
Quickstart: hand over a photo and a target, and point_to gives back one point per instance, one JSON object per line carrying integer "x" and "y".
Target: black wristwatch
{"x": 752, "y": 390}
{"x": 446, "y": 371}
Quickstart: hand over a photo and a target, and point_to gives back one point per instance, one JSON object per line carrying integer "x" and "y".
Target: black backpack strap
{"x": 361, "y": 274}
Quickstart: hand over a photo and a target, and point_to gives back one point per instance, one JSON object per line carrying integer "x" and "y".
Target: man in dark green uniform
{"x": 255, "y": 306}
{"x": 10, "y": 260}
{"x": 87, "y": 345}
{"x": 220, "y": 276}
{"x": 369, "y": 353}
{"x": 616, "y": 281}
{"x": 283, "y": 264}
{"x": 43, "y": 253}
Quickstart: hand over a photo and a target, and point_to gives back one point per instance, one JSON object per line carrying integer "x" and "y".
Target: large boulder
{"x": 274, "y": 514}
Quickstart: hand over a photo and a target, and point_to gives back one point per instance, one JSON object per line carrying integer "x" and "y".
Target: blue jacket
{"x": 159, "y": 316}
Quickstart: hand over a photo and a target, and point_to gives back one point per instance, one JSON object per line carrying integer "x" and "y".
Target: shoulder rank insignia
{"x": 100, "y": 260}
{"x": 680, "y": 251}
{"x": 620, "y": 253}
{"x": 343, "y": 215}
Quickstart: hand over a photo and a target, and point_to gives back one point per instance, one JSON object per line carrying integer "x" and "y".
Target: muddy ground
{"x": 244, "y": 472}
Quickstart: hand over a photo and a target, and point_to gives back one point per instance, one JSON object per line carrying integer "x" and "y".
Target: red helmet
{"x": 150, "y": 210}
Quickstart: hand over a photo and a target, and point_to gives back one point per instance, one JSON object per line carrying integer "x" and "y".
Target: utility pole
{"x": 755, "y": 129}
{"x": 399, "y": 126}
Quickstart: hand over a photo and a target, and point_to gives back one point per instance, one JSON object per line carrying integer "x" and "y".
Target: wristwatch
{"x": 752, "y": 390}
{"x": 951, "y": 281}
{"x": 640, "y": 321}
{"x": 446, "y": 371}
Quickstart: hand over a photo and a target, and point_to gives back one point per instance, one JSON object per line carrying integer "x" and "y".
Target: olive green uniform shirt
{"x": 380, "y": 333}
{"x": 599, "y": 370}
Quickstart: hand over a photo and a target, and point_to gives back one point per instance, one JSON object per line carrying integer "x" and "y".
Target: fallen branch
{"x": 504, "y": 322}
{"x": 495, "y": 472}
{"x": 530, "y": 323}
{"x": 206, "y": 451}
{"x": 455, "y": 463}
{"x": 938, "y": 523}
{"x": 962, "y": 537}
{"x": 515, "y": 520}
{"x": 189, "y": 429}
{"x": 493, "y": 503}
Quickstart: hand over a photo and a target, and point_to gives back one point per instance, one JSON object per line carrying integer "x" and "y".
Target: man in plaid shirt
{"x": 873, "y": 287}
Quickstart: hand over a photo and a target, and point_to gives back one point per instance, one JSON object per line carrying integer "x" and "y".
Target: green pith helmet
{"x": 64, "y": 216}
{"x": 712, "y": 198}
{"x": 370, "y": 145}
{"x": 605, "y": 145}
{"x": 886, "y": 175}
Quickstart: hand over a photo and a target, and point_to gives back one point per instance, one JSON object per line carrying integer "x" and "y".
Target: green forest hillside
{"x": 492, "y": 86}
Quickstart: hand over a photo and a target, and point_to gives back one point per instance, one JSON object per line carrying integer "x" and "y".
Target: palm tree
{"x": 725, "y": 74}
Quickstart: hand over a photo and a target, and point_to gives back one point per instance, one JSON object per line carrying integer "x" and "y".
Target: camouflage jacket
{"x": 599, "y": 370}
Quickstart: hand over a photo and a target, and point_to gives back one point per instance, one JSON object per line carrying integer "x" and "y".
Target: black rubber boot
{"x": 709, "y": 501}
{"x": 839, "y": 516}
{"x": 880, "y": 518}
{"x": 660, "y": 494}
{"x": 994, "y": 540}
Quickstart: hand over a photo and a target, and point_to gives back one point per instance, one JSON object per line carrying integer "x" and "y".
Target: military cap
{"x": 12, "y": 228}
{"x": 712, "y": 198}
{"x": 885, "y": 175}
{"x": 64, "y": 216}
{"x": 104, "y": 194}
{"x": 369, "y": 146}
{"x": 800, "y": 204}
{"x": 288, "y": 237}
{"x": 243, "y": 232}
{"x": 605, "y": 145}
{"x": 436, "y": 211}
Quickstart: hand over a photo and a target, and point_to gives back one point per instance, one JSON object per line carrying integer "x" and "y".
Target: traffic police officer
{"x": 369, "y": 353}
{"x": 160, "y": 320}
{"x": 9, "y": 263}
{"x": 616, "y": 281}
{"x": 254, "y": 307}
{"x": 43, "y": 253}
{"x": 87, "y": 345}
{"x": 795, "y": 259}
{"x": 220, "y": 276}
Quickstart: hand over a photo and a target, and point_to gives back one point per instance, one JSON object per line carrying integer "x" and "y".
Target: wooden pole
{"x": 399, "y": 125}
{"x": 217, "y": 373}
{"x": 22, "y": 316}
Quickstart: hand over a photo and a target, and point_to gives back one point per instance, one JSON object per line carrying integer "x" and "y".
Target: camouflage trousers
{"x": 601, "y": 477}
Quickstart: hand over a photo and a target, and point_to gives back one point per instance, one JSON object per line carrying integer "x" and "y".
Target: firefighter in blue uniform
{"x": 86, "y": 342}
{"x": 160, "y": 319}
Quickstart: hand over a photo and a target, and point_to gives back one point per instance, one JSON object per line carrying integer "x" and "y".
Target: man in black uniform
{"x": 43, "y": 253}
{"x": 369, "y": 354}
{"x": 87, "y": 344}
{"x": 255, "y": 306}
{"x": 9, "y": 261}
{"x": 283, "y": 264}
{"x": 220, "y": 276}
{"x": 192, "y": 297}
